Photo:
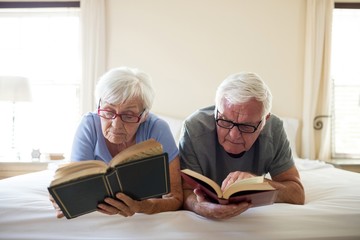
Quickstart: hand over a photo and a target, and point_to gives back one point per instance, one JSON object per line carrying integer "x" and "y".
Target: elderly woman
{"x": 123, "y": 118}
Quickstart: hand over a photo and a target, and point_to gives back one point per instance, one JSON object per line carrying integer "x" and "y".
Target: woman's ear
{"x": 144, "y": 116}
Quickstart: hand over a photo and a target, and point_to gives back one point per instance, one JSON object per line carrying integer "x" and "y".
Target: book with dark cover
{"x": 80, "y": 186}
{"x": 252, "y": 190}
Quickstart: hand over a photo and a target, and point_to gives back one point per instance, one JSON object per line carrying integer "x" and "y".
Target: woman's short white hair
{"x": 123, "y": 83}
{"x": 242, "y": 87}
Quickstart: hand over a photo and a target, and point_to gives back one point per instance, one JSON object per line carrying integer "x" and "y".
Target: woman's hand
{"x": 123, "y": 205}
{"x": 59, "y": 213}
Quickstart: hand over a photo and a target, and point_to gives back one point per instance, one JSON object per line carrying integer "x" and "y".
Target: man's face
{"x": 250, "y": 114}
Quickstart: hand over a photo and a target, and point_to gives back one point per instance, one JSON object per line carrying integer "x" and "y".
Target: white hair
{"x": 242, "y": 87}
{"x": 120, "y": 84}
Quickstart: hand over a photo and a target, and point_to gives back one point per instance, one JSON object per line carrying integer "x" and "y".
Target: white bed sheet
{"x": 332, "y": 211}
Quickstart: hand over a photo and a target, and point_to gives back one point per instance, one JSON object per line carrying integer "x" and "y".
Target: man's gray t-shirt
{"x": 201, "y": 151}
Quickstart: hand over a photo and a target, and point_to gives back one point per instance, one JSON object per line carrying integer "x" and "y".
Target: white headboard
{"x": 175, "y": 125}
{"x": 291, "y": 126}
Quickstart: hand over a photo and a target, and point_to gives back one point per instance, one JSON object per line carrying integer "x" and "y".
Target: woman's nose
{"x": 117, "y": 122}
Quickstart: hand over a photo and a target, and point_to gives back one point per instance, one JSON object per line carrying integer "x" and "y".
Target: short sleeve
{"x": 83, "y": 143}
{"x": 89, "y": 142}
{"x": 159, "y": 130}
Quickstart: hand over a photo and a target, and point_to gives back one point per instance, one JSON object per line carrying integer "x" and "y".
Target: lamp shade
{"x": 14, "y": 89}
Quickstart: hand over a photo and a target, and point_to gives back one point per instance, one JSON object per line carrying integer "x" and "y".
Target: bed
{"x": 331, "y": 211}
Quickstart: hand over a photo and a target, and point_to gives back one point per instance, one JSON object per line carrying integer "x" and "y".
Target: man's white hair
{"x": 242, "y": 87}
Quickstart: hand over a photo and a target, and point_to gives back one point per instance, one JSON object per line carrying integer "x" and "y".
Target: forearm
{"x": 205, "y": 209}
{"x": 289, "y": 192}
{"x": 169, "y": 202}
{"x": 126, "y": 206}
{"x": 290, "y": 189}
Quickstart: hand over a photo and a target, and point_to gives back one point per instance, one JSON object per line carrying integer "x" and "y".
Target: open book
{"x": 140, "y": 171}
{"x": 253, "y": 190}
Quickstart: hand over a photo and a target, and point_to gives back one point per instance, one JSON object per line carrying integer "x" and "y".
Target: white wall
{"x": 190, "y": 46}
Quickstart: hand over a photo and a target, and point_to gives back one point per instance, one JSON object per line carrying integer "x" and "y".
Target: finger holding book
{"x": 122, "y": 205}
{"x": 235, "y": 176}
{"x": 200, "y": 195}
{"x": 59, "y": 213}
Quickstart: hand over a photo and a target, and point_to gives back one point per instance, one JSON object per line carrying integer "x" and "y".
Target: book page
{"x": 72, "y": 167}
{"x": 257, "y": 179}
{"x": 252, "y": 186}
{"x": 250, "y": 180}
{"x": 138, "y": 151}
{"x": 204, "y": 179}
{"x": 76, "y": 170}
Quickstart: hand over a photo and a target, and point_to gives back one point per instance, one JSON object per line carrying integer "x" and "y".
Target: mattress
{"x": 331, "y": 211}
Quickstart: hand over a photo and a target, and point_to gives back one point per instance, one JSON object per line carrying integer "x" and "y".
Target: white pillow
{"x": 175, "y": 125}
{"x": 291, "y": 126}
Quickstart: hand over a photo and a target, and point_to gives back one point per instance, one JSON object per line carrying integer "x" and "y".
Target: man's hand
{"x": 233, "y": 177}
{"x": 215, "y": 211}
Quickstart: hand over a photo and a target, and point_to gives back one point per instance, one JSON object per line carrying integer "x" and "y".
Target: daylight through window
{"x": 345, "y": 73}
{"x": 43, "y": 46}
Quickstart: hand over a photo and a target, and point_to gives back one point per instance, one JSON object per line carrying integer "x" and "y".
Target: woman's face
{"x": 117, "y": 131}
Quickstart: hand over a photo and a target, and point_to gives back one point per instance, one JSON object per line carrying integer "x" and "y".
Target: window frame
{"x": 337, "y": 155}
{"x": 45, "y": 4}
{"x": 41, "y": 5}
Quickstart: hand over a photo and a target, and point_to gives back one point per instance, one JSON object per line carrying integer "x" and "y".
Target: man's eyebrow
{"x": 246, "y": 123}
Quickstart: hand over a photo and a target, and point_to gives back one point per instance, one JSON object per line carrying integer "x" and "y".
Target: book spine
{"x": 113, "y": 183}
{"x": 209, "y": 194}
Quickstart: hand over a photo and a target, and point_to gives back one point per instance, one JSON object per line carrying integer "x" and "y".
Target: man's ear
{"x": 267, "y": 116}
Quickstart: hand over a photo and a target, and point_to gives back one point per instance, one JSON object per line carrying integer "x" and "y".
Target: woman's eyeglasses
{"x": 128, "y": 118}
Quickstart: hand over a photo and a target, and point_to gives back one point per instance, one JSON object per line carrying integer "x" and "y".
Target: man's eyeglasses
{"x": 107, "y": 114}
{"x": 245, "y": 128}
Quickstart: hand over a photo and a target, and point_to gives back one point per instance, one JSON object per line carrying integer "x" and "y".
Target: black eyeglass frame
{"x": 238, "y": 125}
{"x": 122, "y": 116}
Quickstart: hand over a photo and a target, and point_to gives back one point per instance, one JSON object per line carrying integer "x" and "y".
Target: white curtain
{"x": 93, "y": 50}
{"x": 317, "y": 82}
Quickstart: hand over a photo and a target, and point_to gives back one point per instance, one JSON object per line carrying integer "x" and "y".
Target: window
{"x": 41, "y": 44}
{"x": 345, "y": 72}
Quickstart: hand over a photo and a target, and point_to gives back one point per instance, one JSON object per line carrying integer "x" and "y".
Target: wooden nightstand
{"x": 10, "y": 169}
{"x": 350, "y": 165}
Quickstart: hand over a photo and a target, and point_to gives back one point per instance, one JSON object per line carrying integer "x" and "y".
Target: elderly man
{"x": 235, "y": 139}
